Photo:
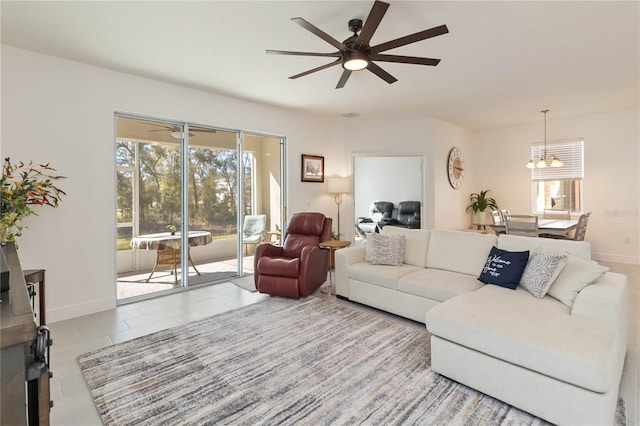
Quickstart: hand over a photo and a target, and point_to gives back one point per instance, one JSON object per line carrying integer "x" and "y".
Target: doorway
{"x": 389, "y": 178}
{"x": 167, "y": 171}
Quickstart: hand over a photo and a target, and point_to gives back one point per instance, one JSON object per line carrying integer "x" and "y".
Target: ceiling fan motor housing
{"x": 355, "y": 25}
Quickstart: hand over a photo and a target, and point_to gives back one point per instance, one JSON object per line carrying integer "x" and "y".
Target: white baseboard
{"x": 69, "y": 312}
{"x": 615, "y": 258}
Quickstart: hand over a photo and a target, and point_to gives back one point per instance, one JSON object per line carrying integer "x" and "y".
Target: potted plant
{"x": 479, "y": 203}
{"x": 172, "y": 229}
{"x": 23, "y": 186}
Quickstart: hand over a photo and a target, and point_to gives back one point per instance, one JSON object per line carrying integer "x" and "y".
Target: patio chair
{"x": 254, "y": 230}
{"x": 167, "y": 255}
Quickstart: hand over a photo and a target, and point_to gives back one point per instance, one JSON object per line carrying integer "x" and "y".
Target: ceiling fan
{"x": 355, "y": 54}
{"x": 176, "y": 131}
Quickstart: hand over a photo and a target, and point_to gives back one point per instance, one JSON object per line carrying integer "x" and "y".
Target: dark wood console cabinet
{"x": 24, "y": 368}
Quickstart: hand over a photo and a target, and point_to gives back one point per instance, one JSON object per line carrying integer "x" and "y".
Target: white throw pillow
{"x": 541, "y": 271}
{"x": 416, "y": 243}
{"x": 387, "y": 249}
{"x": 576, "y": 275}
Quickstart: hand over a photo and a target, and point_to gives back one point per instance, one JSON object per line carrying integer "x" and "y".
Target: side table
{"x": 36, "y": 276}
{"x": 332, "y": 245}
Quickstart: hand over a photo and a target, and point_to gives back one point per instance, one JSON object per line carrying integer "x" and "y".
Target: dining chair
{"x": 524, "y": 225}
{"x": 505, "y": 214}
{"x": 556, "y": 214}
{"x": 496, "y": 216}
{"x": 581, "y": 228}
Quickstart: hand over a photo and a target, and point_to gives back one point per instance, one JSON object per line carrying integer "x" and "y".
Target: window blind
{"x": 570, "y": 152}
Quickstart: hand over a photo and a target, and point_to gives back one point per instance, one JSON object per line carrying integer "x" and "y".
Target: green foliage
{"x": 480, "y": 202}
{"x": 212, "y": 181}
{"x": 23, "y": 186}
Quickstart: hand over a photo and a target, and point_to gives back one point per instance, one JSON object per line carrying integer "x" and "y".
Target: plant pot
{"x": 481, "y": 219}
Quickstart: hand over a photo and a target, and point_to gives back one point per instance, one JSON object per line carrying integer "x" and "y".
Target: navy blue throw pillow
{"x": 504, "y": 268}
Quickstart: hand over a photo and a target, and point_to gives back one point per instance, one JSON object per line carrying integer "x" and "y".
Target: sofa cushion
{"x": 416, "y": 244}
{"x": 437, "y": 284}
{"x": 381, "y": 275}
{"x": 387, "y": 249}
{"x": 576, "y": 275}
{"x": 456, "y": 251}
{"x": 537, "y": 334}
{"x": 504, "y": 268}
{"x": 542, "y": 269}
{"x": 518, "y": 243}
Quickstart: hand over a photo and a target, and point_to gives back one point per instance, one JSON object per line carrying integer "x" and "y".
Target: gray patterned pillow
{"x": 541, "y": 271}
{"x": 387, "y": 249}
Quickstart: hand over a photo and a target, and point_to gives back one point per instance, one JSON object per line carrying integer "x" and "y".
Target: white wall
{"x": 62, "y": 112}
{"x": 451, "y": 204}
{"x": 611, "y": 182}
{"x": 392, "y": 179}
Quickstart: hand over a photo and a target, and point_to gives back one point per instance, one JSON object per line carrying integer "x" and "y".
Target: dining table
{"x": 556, "y": 227}
{"x": 164, "y": 240}
{"x": 167, "y": 246}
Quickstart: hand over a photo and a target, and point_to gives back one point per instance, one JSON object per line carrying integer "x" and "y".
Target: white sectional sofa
{"x": 559, "y": 357}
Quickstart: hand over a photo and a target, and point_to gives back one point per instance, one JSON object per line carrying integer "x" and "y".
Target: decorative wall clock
{"x": 455, "y": 167}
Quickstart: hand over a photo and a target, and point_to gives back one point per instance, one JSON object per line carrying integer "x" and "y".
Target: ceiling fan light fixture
{"x": 355, "y": 61}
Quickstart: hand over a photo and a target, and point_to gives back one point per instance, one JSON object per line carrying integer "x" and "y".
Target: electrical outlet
{"x": 627, "y": 240}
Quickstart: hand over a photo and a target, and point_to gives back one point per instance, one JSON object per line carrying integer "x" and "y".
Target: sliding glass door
{"x": 212, "y": 177}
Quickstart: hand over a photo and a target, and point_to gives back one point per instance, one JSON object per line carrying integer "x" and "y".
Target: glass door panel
{"x": 148, "y": 171}
{"x": 262, "y": 197}
{"x": 213, "y": 203}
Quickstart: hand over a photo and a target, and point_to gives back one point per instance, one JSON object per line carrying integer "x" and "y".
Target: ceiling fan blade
{"x": 343, "y": 79}
{"x": 202, "y": 130}
{"x": 286, "y": 52}
{"x": 371, "y": 25}
{"x": 405, "y": 59}
{"x": 412, "y": 38}
{"x": 322, "y": 67}
{"x": 317, "y": 31}
{"x": 381, "y": 73}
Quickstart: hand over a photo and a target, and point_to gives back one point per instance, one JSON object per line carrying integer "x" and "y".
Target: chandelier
{"x": 544, "y": 161}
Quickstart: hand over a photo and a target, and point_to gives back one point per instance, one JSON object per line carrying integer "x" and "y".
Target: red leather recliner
{"x": 299, "y": 267}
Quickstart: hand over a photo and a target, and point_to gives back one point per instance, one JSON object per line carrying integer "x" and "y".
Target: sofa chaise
{"x": 558, "y": 355}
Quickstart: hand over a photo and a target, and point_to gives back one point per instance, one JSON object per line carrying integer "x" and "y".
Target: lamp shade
{"x": 338, "y": 185}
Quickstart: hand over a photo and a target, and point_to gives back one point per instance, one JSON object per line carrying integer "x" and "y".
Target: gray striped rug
{"x": 284, "y": 361}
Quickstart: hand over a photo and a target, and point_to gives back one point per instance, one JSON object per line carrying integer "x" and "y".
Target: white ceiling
{"x": 502, "y": 61}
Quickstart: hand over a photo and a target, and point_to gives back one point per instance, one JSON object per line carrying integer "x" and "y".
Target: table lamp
{"x": 338, "y": 186}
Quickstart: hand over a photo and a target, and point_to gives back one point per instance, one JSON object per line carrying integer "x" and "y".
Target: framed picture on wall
{"x": 312, "y": 168}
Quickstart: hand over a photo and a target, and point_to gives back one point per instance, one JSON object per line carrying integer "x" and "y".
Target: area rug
{"x": 281, "y": 361}
{"x": 246, "y": 282}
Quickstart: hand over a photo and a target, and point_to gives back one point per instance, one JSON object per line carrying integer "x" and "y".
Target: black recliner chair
{"x": 407, "y": 215}
{"x": 379, "y": 212}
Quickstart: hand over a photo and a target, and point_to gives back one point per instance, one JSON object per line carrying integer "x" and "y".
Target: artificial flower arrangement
{"x": 22, "y": 187}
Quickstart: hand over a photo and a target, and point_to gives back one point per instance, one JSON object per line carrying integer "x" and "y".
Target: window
{"x": 559, "y": 188}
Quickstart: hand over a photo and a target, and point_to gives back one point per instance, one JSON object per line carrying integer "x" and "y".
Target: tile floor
{"x": 73, "y": 403}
